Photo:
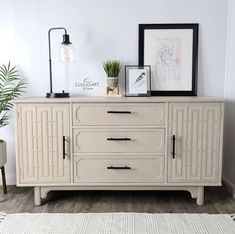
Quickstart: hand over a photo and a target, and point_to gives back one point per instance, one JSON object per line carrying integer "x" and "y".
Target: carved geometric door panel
{"x": 27, "y": 143}
{"x": 178, "y": 128}
{"x": 45, "y": 137}
{"x": 196, "y": 128}
{"x": 60, "y": 129}
{"x": 211, "y": 142}
{"x": 40, "y": 132}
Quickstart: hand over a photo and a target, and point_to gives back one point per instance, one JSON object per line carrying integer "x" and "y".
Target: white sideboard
{"x": 109, "y": 143}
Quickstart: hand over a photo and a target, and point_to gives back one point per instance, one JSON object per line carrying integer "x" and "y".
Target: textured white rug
{"x": 115, "y": 223}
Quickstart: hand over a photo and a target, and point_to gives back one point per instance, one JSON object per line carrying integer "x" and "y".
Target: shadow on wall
{"x": 229, "y": 143}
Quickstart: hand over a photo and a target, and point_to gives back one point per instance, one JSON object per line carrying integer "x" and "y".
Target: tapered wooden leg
{"x": 37, "y": 196}
{"x": 4, "y": 185}
{"x": 200, "y": 196}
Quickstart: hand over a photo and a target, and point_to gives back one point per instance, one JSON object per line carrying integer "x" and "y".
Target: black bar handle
{"x": 119, "y": 168}
{"x": 119, "y": 112}
{"x": 173, "y": 144}
{"x": 64, "y": 154}
{"x": 118, "y": 139}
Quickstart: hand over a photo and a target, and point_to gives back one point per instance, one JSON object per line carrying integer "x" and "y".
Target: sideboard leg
{"x": 37, "y": 196}
{"x": 4, "y": 185}
{"x": 200, "y": 196}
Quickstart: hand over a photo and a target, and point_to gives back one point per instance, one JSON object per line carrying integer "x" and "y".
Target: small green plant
{"x": 112, "y": 68}
{"x": 11, "y": 87}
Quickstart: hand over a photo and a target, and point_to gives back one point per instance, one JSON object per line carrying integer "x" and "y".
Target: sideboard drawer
{"x": 116, "y": 114}
{"x": 119, "y": 140}
{"x": 126, "y": 170}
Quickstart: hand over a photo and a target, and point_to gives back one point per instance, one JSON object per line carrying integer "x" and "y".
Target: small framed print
{"x": 137, "y": 81}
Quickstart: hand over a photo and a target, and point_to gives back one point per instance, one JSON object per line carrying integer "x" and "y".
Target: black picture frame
{"x": 194, "y": 64}
{"x": 135, "y": 68}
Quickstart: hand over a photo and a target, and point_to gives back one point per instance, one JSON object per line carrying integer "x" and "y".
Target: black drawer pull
{"x": 64, "y": 154}
{"x": 173, "y": 146}
{"x": 119, "y": 112}
{"x": 119, "y": 168}
{"x": 118, "y": 139}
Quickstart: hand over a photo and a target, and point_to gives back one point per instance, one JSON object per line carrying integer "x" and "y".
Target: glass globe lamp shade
{"x": 67, "y": 53}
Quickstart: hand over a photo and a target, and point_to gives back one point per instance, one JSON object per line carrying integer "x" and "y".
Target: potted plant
{"x": 11, "y": 87}
{"x": 112, "y": 69}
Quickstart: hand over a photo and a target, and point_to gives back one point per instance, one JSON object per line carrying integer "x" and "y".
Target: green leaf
{"x": 11, "y": 87}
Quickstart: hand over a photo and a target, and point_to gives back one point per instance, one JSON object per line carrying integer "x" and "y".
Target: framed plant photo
{"x": 137, "y": 81}
{"x": 172, "y": 52}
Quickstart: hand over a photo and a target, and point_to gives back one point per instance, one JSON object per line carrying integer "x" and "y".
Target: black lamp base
{"x": 57, "y": 95}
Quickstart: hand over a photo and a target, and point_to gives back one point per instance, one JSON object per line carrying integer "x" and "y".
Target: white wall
{"x": 100, "y": 30}
{"x": 229, "y": 133}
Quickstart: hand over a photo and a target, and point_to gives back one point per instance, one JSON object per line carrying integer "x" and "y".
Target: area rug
{"x": 115, "y": 223}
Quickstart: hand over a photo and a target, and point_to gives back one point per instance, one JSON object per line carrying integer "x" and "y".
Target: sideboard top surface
{"x": 99, "y": 99}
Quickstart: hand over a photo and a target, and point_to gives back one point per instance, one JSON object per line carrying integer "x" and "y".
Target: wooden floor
{"x": 217, "y": 200}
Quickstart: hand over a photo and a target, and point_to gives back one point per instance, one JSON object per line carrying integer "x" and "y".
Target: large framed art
{"x": 172, "y": 52}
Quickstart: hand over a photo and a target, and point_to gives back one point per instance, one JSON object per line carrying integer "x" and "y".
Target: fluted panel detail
{"x": 27, "y": 135}
{"x": 211, "y": 133}
{"x": 60, "y": 123}
{"x": 44, "y": 134}
{"x": 194, "y": 142}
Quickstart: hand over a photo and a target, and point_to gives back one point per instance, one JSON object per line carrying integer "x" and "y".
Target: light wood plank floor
{"x": 217, "y": 200}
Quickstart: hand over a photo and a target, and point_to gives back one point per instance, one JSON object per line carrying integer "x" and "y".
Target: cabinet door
{"x": 40, "y": 143}
{"x": 196, "y": 127}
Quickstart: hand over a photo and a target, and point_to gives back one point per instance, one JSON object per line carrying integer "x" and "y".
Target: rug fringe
{"x": 2, "y": 216}
{"x": 232, "y": 216}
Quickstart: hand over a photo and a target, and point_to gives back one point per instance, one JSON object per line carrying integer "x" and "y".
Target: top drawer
{"x": 115, "y": 114}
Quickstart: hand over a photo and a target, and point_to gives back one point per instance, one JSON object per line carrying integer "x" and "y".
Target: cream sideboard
{"x": 107, "y": 143}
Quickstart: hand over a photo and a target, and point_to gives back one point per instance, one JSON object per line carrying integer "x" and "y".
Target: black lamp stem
{"x": 50, "y": 68}
{"x": 50, "y": 63}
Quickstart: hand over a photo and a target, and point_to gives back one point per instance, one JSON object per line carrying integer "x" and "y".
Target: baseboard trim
{"x": 229, "y": 185}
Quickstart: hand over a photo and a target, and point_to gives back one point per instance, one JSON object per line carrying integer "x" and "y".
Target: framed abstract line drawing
{"x": 137, "y": 81}
{"x": 172, "y": 52}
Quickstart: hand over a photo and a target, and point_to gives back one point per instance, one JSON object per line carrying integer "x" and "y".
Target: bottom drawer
{"x": 121, "y": 170}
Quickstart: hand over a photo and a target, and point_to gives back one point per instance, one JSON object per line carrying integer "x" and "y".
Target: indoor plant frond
{"x": 11, "y": 87}
{"x": 112, "y": 68}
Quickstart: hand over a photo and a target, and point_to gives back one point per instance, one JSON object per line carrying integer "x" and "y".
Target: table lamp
{"x": 66, "y": 55}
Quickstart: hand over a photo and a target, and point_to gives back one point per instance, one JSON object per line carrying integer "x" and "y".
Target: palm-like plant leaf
{"x": 11, "y": 87}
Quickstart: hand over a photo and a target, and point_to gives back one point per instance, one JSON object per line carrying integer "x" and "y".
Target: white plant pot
{"x": 3, "y": 153}
{"x": 112, "y": 82}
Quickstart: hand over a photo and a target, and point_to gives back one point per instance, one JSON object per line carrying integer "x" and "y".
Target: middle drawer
{"x": 118, "y": 141}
